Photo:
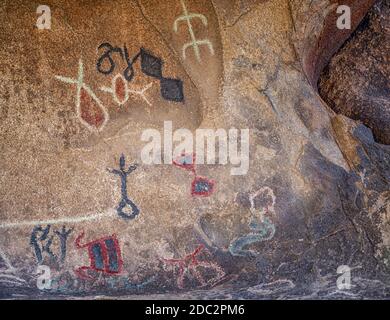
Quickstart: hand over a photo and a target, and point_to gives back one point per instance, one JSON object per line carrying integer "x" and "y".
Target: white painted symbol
{"x": 344, "y": 281}
{"x": 187, "y": 17}
{"x": 44, "y": 20}
{"x": 344, "y": 21}
{"x": 267, "y": 210}
{"x": 82, "y": 86}
{"x": 8, "y": 275}
{"x": 65, "y": 220}
{"x": 127, "y": 91}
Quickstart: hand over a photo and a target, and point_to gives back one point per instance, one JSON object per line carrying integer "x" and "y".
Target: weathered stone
{"x": 356, "y": 80}
{"x": 319, "y": 181}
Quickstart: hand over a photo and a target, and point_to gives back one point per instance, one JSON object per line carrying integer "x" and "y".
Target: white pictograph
{"x": 267, "y": 210}
{"x": 8, "y": 275}
{"x": 94, "y": 120}
{"x": 119, "y": 81}
{"x": 195, "y": 43}
{"x": 65, "y": 220}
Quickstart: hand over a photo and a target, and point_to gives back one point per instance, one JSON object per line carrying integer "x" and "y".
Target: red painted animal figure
{"x": 189, "y": 266}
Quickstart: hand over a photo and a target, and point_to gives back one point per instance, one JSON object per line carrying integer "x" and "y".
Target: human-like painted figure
{"x": 125, "y": 203}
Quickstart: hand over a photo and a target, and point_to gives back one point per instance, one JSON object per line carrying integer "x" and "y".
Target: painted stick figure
{"x": 194, "y": 43}
{"x": 125, "y": 203}
{"x": 190, "y": 264}
{"x": 41, "y": 240}
{"x": 200, "y": 186}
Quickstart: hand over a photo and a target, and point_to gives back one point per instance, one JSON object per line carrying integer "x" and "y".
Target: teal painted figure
{"x": 262, "y": 227}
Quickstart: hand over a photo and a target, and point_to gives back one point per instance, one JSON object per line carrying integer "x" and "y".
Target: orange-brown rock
{"x": 77, "y": 197}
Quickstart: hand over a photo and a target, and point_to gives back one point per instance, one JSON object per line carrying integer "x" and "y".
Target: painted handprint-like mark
{"x": 200, "y": 186}
{"x": 194, "y": 43}
{"x": 90, "y": 111}
{"x": 125, "y": 204}
{"x": 261, "y": 225}
{"x": 189, "y": 265}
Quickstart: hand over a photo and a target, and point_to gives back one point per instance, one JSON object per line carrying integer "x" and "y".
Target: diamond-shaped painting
{"x": 202, "y": 187}
{"x": 151, "y": 65}
{"x": 172, "y": 89}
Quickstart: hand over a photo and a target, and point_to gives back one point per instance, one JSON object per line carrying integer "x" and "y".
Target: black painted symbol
{"x": 129, "y": 71}
{"x": 152, "y": 66}
{"x": 127, "y": 209}
{"x": 107, "y": 56}
{"x": 171, "y": 89}
{"x": 63, "y": 236}
{"x": 42, "y": 241}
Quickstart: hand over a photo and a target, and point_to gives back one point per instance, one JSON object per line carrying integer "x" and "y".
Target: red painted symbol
{"x": 200, "y": 186}
{"x": 90, "y": 110}
{"x": 121, "y": 90}
{"x": 186, "y": 161}
{"x": 191, "y": 266}
{"x": 104, "y": 255}
{"x": 120, "y": 86}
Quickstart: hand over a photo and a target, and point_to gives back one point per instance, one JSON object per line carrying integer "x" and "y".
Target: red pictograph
{"x": 191, "y": 265}
{"x": 200, "y": 186}
{"x": 89, "y": 109}
{"x": 104, "y": 254}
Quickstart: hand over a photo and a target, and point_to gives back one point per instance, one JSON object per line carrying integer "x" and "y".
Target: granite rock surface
{"x": 77, "y": 197}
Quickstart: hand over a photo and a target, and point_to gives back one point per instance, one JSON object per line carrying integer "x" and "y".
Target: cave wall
{"x": 71, "y": 153}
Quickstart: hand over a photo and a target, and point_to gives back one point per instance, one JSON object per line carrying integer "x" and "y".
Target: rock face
{"x": 79, "y": 103}
{"x": 356, "y": 82}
